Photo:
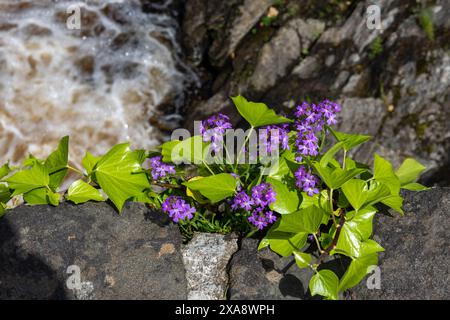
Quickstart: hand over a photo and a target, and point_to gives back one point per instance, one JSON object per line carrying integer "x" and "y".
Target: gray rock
{"x": 283, "y": 51}
{"x": 206, "y": 259}
{"x": 415, "y": 263}
{"x": 307, "y": 68}
{"x": 249, "y": 14}
{"x": 264, "y": 275}
{"x": 132, "y": 256}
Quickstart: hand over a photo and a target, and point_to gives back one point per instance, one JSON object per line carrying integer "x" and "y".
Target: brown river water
{"x": 100, "y": 83}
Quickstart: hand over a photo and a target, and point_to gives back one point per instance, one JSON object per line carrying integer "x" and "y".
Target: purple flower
{"x": 311, "y": 118}
{"x": 213, "y": 129}
{"x": 260, "y": 222}
{"x": 274, "y": 136}
{"x": 263, "y": 194}
{"x": 242, "y": 201}
{"x": 177, "y": 208}
{"x": 271, "y": 218}
{"x": 306, "y": 181}
{"x": 160, "y": 169}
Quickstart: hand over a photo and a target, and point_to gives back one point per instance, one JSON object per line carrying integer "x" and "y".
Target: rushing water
{"x": 100, "y": 84}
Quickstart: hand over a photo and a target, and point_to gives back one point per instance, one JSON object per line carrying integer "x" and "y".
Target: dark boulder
{"x": 135, "y": 255}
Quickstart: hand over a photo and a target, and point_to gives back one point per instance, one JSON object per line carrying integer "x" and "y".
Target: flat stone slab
{"x": 206, "y": 259}
{"x": 135, "y": 255}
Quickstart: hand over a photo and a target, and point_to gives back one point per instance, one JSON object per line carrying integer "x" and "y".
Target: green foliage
{"x": 27, "y": 180}
{"x": 376, "y": 48}
{"x": 57, "y": 163}
{"x": 426, "y": 21}
{"x": 287, "y": 201}
{"x": 257, "y": 114}
{"x": 215, "y": 187}
{"x": 119, "y": 174}
{"x": 80, "y": 192}
{"x": 325, "y": 283}
{"x": 334, "y": 221}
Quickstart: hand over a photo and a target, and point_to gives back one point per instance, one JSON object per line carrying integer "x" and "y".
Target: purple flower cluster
{"x": 262, "y": 196}
{"x": 311, "y": 118}
{"x": 213, "y": 129}
{"x": 306, "y": 181}
{"x": 177, "y": 208}
{"x": 274, "y": 136}
{"x": 160, "y": 169}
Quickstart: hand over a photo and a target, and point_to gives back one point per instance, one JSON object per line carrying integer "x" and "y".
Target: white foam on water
{"x": 100, "y": 84}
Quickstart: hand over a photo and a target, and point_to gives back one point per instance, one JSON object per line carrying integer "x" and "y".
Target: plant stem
{"x": 335, "y": 239}
{"x": 167, "y": 185}
{"x": 331, "y": 207}
{"x": 76, "y": 170}
{"x": 322, "y": 141}
{"x": 243, "y": 147}
{"x": 209, "y": 169}
{"x": 343, "y": 161}
{"x": 317, "y": 243}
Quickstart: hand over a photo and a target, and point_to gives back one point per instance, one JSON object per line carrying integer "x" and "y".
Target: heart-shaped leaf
{"x": 257, "y": 114}
{"x": 80, "y": 192}
{"x": 120, "y": 175}
{"x": 216, "y": 187}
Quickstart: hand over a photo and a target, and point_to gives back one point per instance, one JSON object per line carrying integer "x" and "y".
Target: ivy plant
{"x": 290, "y": 181}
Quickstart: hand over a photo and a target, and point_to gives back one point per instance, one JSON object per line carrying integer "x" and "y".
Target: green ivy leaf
{"x": 57, "y": 162}
{"x": 357, "y": 270}
{"x": 257, "y": 114}
{"x": 26, "y": 180}
{"x": 349, "y": 140}
{"x": 305, "y": 220}
{"x": 326, "y": 158}
{"x": 280, "y": 170}
{"x": 370, "y": 247}
{"x": 287, "y": 201}
{"x": 36, "y": 196}
{"x": 120, "y": 175}
{"x": 409, "y": 171}
{"x": 216, "y": 187}
{"x": 383, "y": 172}
{"x": 42, "y": 196}
{"x": 89, "y": 161}
{"x": 5, "y": 194}
{"x": 31, "y": 161}
{"x": 414, "y": 186}
{"x": 53, "y": 198}
{"x": 394, "y": 202}
{"x": 377, "y": 192}
{"x": 166, "y": 150}
{"x": 4, "y": 170}
{"x": 263, "y": 244}
{"x": 285, "y": 243}
{"x": 191, "y": 150}
{"x": 2, "y": 209}
{"x": 334, "y": 178}
{"x": 324, "y": 283}
{"x": 80, "y": 192}
{"x": 355, "y": 192}
{"x": 355, "y": 231}
{"x": 302, "y": 259}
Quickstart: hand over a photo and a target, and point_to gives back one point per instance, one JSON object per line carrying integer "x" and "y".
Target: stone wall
{"x": 140, "y": 255}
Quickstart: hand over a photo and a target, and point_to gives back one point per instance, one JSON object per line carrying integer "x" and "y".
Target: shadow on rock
{"x": 23, "y": 275}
